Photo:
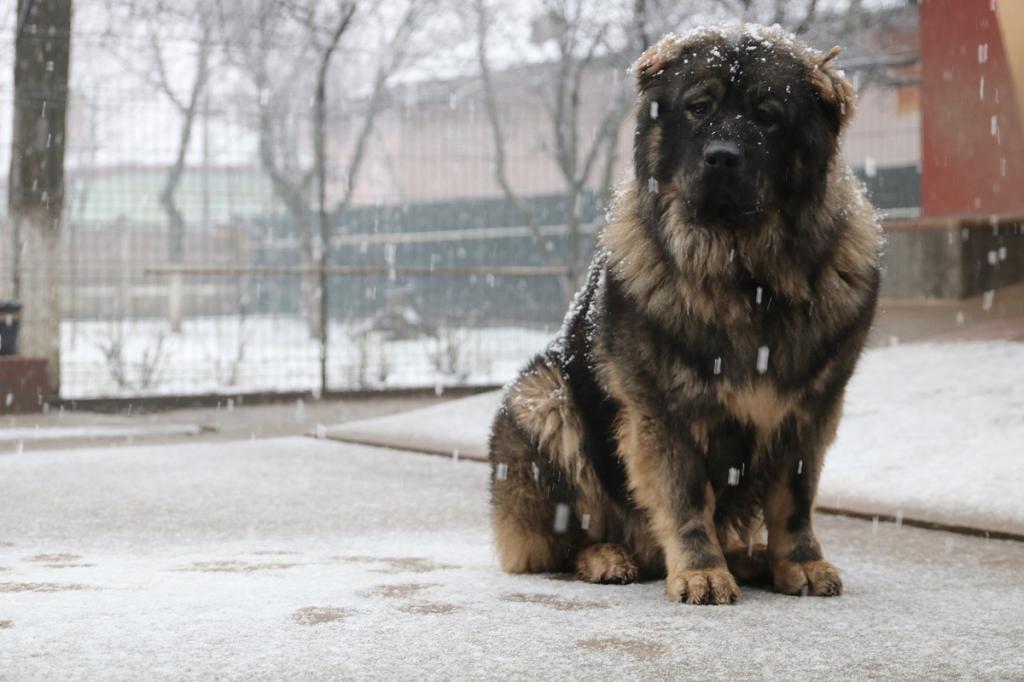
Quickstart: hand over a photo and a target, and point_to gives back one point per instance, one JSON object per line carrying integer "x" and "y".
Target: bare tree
{"x": 193, "y": 26}
{"x": 582, "y": 46}
{"x": 798, "y": 16}
{"x": 254, "y": 31}
{"x": 279, "y": 83}
{"x": 326, "y": 52}
{"x": 36, "y": 190}
{"x": 483, "y": 23}
{"x": 587, "y": 41}
{"x": 577, "y": 46}
{"x": 187, "y": 109}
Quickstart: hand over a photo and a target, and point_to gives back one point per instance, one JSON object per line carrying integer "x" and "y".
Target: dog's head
{"x": 736, "y": 124}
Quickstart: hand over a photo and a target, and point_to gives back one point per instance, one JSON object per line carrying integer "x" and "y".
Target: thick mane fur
{"x": 676, "y": 268}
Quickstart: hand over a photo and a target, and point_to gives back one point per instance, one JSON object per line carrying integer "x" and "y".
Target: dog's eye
{"x": 699, "y": 109}
{"x": 766, "y": 116}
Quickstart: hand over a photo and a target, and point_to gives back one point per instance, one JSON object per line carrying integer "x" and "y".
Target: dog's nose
{"x": 722, "y": 154}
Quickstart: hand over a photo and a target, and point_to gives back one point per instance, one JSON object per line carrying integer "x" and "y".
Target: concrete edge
{"x": 159, "y": 403}
{"x": 913, "y": 521}
{"x": 391, "y": 445}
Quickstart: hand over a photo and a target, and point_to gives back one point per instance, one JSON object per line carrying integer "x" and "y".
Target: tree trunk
{"x": 301, "y": 216}
{"x": 36, "y": 192}
{"x": 175, "y": 246}
{"x": 175, "y": 219}
{"x": 294, "y": 199}
{"x": 573, "y": 222}
{"x": 292, "y": 192}
{"x": 483, "y": 22}
{"x": 320, "y": 152}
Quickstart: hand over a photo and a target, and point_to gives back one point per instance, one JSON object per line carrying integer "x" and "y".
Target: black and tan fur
{"x": 686, "y": 406}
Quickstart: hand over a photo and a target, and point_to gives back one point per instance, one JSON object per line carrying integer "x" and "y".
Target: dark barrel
{"x": 10, "y": 316}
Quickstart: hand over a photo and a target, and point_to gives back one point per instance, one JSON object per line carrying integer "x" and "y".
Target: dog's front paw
{"x": 606, "y": 563}
{"x": 710, "y": 586}
{"x": 817, "y": 578}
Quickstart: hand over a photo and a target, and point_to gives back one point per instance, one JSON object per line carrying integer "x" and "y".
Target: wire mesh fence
{"x": 434, "y": 307}
{"x": 187, "y": 269}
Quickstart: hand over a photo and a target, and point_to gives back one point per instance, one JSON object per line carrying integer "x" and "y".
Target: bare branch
{"x": 643, "y": 39}
{"x": 779, "y": 15}
{"x": 188, "y": 112}
{"x": 498, "y": 136}
{"x": 564, "y": 153}
{"x": 608, "y": 173}
{"x": 805, "y": 23}
{"x": 161, "y": 81}
{"x": 574, "y": 104}
{"x": 494, "y": 118}
{"x": 735, "y": 6}
{"x": 853, "y": 16}
{"x": 609, "y": 128}
{"x": 320, "y": 104}
{"x": 399, "y": 50}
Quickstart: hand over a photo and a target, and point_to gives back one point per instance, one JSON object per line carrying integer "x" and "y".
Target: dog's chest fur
{"x": 742, "y": 371}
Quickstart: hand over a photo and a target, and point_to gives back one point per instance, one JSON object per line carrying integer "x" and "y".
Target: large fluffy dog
{"x": 688, "y": 402}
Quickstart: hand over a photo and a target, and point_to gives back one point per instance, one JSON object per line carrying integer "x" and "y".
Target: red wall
{"x": 964, "y": 167}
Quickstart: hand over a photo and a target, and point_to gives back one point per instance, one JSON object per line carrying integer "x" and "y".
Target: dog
{"x": 684, "y": 410}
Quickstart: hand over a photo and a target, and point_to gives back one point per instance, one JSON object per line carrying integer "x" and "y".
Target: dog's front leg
{"x": 794, "y": 554}
{"x": 667, "y": 479}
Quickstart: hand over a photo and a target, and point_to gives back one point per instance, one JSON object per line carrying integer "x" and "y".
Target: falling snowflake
{"x": 762, "y": 359}
{"x": 561, "y": 517}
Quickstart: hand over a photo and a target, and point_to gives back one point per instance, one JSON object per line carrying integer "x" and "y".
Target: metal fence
{"x": 428, "y": 307}
{"x": 431, "y": 283}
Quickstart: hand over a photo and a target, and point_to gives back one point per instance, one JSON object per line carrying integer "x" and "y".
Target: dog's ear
{"x": 652, "y": 63}
{"x": 833, "y": 90}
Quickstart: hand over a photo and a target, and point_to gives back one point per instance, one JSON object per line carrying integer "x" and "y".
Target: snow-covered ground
{"x": 271, "y": 353}
{"x": 298, "y": 558}
{"x": 932, "y": 432}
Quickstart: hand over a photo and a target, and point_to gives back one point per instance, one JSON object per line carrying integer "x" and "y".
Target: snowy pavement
{"x": 931, "y": 432}
{"x": 288, "y": 558}
{"x": 230, "y": 420}
{"x": 934, "y": 431}
{"x": 457, "y": 428}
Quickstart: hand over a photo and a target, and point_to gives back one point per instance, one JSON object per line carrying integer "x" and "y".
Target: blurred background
{"x": 310, "y": 197}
